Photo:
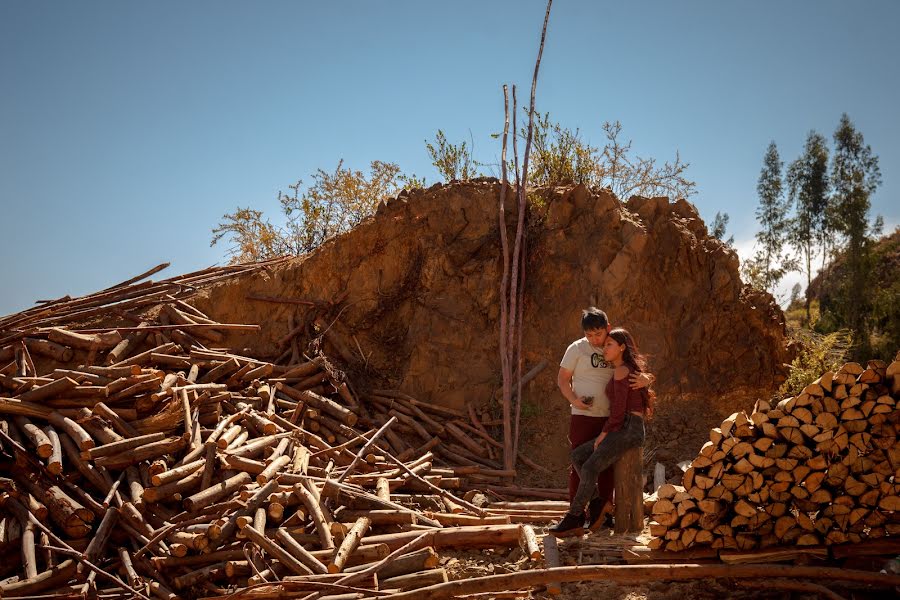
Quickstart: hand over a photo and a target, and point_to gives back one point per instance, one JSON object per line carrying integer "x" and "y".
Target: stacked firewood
{"x": 822, "y": 467}
{"x": 149, "y": 460}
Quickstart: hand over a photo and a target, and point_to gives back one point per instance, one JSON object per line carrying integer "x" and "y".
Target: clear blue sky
{"x": 127, "y": 129}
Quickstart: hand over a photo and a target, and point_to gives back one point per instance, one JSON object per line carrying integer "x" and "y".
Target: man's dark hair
{"x": 593, "y": 318}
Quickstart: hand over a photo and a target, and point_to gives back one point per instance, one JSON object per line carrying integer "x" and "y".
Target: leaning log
{"x": 640, "y": 574}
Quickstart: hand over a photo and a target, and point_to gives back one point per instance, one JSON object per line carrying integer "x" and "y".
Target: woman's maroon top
{"x": 622, "y": 400}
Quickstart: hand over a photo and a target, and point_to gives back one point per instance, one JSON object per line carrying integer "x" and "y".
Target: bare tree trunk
{"x": 504, "y": 283}
{"x": 509, "y": 461}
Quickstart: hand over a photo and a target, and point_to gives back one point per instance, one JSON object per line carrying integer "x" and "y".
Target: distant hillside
{"x": 885, "y": 317}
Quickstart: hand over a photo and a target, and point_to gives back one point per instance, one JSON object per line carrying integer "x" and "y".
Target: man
{"x": 583, "y": 375}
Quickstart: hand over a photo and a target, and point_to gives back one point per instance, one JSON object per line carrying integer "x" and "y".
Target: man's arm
{"x": 641, "y": 380}
{"x": 564, "y": 382}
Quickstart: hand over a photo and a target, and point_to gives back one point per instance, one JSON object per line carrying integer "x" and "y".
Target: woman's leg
{"x": 592, "y": 462}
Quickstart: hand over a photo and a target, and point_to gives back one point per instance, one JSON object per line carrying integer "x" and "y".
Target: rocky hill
{"x": 410, "y": 299}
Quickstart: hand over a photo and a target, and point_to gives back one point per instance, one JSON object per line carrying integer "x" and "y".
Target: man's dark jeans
{"x": 591, "y": 462}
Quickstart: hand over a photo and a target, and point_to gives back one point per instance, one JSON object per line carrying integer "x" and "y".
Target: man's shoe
{"x": 598, "y": 513}
{"x": 569, "y": 526}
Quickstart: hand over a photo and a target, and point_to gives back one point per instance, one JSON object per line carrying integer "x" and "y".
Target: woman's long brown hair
{"x": 636, "y": 362}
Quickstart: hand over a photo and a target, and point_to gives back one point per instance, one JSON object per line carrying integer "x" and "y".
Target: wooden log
{"x": 196, "y": 324}
{"x": 441, "y": 411}
{"x": 349, "y": 545}
{"x": 415, "y": 426}
{"x": 415, "y": 581}
{"x": 481, "y": 536}
{"x": 54, "y": 461}
{"x": 326, "y": 405}
{"x": 144, "y": 358}
{"x": 210, "y": 495}
{"x": 177, "y": 473}
{"x": 29, "y": 557}
{"x": 121, "y": 446}
{"x": 115, "y": 420}
{"x": 322, "y": 524}
{"x": 629, "y": 491}
{"x": 379, "y": 517}
{"x": 454, "y": 520}
{"x": 71, "y": 516}
{"x": 101, "y": 537}
{"x": 35, "y": 435}
{"x": 97, "y": 477}
{"x": 381, "y": 431}
{"x": 46, "y": 348}
{"x": 221, "y": 371}
{"x": 49, "y": 390}
{"x": 192, "y": 578}
{"x": 249, "y": 449}
{"x": 97, "y": 341}
{"x": 276, "y": 551}
{"x": 75, "y": 431}
{"x": 470, "y": 444}
{"x": 299, "y": 552}
{"x": 141, "y": 453}
{"x": 335, "y": 490}
{"x": 528, "y": 543}
{"x": 272, "y": 469}
{"x": 128, "y": 345}
{"x": 640, "y": 574}
{"x": 51, "y": 579}
{"x": 551, "y": 550}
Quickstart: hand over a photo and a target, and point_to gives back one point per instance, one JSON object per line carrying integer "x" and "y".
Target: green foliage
{"x": 335, "y": 203}
{"x": 883, "y": 298}
{"x": 720, "y": 223}
{"x": 809, "y": 231}
{"x": 855, "y": 176}
{"x": 560, "y": 155}
{"x": 453, "y": 162}
{"x": 795, "y": 293}
{"x": 818, "y": 353}
{"x": 770, "y": 263}
{"x": 795, "y": 314}
{"x": 885, "y": 319}
{"x": 253, "y": 237}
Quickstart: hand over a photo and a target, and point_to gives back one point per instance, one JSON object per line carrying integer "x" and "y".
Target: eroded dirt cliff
{"x": 413, "y": 293}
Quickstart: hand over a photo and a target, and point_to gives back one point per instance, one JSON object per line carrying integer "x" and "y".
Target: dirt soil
{"x": 411, "y": 298}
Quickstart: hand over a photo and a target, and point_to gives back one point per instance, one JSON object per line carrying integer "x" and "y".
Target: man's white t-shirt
{"x": 590, "y": 374}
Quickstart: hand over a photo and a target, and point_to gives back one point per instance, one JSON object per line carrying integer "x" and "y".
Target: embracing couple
{"x": 605, "y": 380}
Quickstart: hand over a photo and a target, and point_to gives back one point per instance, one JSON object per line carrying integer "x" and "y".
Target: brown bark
{"x": 71, "y": 516}
{"x": 629, "y": 491}
{"x": 276, "y": 551}
{"x": 144, "y": 452}
{"x": 349, "y": 545}
{"x": 46, "y": 348}
{"x": 206, "y": 497}
{"x": 49, "y": 390}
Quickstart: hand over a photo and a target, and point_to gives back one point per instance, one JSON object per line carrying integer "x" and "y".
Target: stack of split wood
{"x": 153, "y": 461}
{"x": 822, "y": 467}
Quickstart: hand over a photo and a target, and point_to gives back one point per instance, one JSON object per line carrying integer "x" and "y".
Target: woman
{"x": 624, "y": 430}
{"x": 582, "y": 380}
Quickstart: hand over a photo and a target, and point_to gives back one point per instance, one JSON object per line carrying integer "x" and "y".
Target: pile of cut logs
{"x": 150, "y": 461}
{"x": 822, "y": 467}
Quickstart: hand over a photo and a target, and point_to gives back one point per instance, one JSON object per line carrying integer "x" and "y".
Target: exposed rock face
{"x": 420, "y": 284}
